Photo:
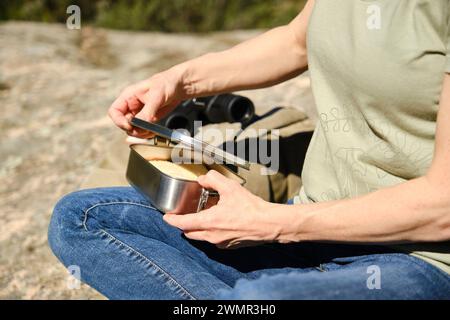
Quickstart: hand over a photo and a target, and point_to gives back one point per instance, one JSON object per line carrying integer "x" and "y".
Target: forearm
{"x": 266, "y": 60}
{"x": 415, "y": 211}
{"x": 271, "y": 58}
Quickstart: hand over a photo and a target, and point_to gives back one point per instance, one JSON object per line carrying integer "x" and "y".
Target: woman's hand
{"x": 149, "y": 100}
{"x": 282, "y": 52}
{"x": 239, "y": 219}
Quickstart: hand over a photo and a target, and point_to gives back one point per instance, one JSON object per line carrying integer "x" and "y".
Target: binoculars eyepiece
{"x": 229, "y": 108}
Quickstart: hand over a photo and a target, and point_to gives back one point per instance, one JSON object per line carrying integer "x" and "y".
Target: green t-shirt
{"x": 377, "y": 69}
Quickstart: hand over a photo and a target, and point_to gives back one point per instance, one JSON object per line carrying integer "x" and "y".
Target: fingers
{"x": 136, "y": 100}
{"x": 153, "y": 101}
{"x": 216, "y": 181}
{"x": 188, "y": 222}
{"x": 196, "y": 235}
{"x": 124, "y": 107}
{"x": 165, "y": 110}
{"x": 140, "y": 133}
{"x": 117, "y": 112}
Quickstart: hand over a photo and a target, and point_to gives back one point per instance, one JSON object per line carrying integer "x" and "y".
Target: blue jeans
{"x": 125, "y": 250}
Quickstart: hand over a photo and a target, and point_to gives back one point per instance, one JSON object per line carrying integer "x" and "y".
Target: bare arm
{"x": 270, "y": 58}
{"x": 415, "y": 211}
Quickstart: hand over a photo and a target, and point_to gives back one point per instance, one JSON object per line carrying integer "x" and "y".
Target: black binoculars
{"x": 229, "y": 108}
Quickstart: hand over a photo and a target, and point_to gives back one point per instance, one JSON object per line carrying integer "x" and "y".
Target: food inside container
{"x": 173, "y": 187}
{"x": 184, "y": 171}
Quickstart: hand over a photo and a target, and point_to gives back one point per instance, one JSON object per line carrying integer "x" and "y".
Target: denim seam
{"x": 86, "y": 212}
{"x": 426, "y": 266}
{"x": 422, "y": 265}
{"x": 152, "y": 264}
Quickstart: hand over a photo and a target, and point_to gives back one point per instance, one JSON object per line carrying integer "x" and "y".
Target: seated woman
{"x": 372, "y": 220}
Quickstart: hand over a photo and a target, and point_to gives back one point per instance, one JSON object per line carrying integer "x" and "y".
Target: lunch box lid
{"x": 216, "y": 154}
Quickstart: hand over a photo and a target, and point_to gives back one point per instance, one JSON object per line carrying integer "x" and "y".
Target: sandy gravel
{"x": 55, "y": 87}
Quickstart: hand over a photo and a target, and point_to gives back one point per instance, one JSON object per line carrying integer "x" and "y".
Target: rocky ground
{"x": 55, "y": 87}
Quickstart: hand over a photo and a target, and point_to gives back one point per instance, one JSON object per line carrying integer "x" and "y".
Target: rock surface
{"x": 55, "y": 87}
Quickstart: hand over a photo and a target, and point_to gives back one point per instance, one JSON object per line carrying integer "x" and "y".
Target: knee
{"x": 66, "y": 228}
{"x": 66, "y": 222}
{"x": 70, "y": 227}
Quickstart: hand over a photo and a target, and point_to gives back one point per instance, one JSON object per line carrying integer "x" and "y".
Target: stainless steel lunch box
{"x": 169, "y": 194}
